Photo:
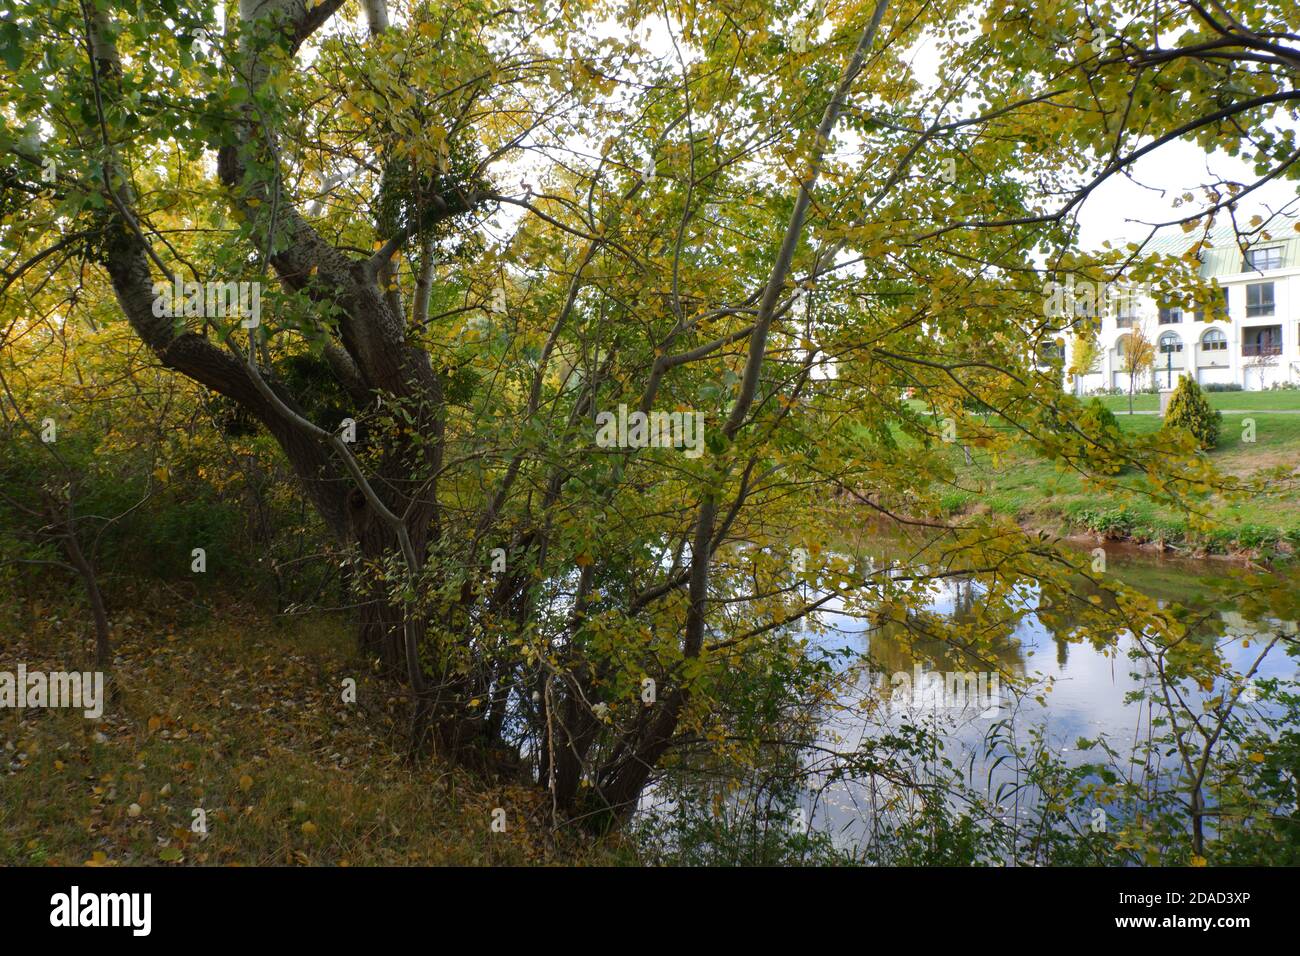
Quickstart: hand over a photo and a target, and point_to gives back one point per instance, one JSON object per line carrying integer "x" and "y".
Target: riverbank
{"x": 238, "y": 719}
{"x": 1266, "y": 529}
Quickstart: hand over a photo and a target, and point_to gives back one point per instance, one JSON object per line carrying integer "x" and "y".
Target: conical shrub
{"x": 1190, "y": 409}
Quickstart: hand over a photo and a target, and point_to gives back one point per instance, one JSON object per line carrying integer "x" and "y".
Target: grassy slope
{"x": 247, "y": 721}
{"x": 1035, "y": 492}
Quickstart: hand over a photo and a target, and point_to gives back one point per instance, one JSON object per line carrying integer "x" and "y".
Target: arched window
{"x": 1214, "y": 341}
{"x": 1170, "y": 342}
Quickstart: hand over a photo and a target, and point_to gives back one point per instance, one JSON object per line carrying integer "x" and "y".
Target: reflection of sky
{"x": 1084, "y": 697}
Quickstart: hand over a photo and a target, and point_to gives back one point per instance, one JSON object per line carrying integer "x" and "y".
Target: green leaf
{"x": 11, "y": 44}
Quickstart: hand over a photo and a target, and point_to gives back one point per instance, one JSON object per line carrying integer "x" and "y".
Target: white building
{"x": 1257, "y": 346}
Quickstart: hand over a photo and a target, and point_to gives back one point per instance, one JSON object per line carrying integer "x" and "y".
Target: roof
{"x": 1221, "y": 254}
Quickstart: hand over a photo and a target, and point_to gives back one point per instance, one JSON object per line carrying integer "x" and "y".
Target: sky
{"x": 1121, "y": 209}
{"x": 1118, "y": 209}
{"x": 1125, "y": 207}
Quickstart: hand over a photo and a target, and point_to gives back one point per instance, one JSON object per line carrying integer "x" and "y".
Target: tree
{"x": 1137, "y": 357}
{"x": 1085, "y": 356}
{"x": 693, "y": 226}
{"x": 65, "y": 478}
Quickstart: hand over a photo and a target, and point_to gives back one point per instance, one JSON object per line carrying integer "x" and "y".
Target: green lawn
{"x": 1277, "y": 400}
{"x": 1034, "y": 492}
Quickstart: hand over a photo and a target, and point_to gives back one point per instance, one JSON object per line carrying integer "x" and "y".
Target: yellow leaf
{"x": 245, "y": 782}
{"x": 1256, "y": 758}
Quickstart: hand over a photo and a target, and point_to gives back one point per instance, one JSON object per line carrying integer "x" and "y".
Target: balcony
{"x": 1262, "y": 341}
{"x": 1260, "y": 348}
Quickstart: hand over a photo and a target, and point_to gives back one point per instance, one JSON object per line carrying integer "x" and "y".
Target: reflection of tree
{"x": 1198, "y": 726}
{"x": 963, "y": 597}
{"x": 931, "y": 638}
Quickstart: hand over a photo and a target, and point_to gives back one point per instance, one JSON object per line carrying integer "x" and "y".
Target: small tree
{"x": 1190, "y": 409}
{"x": 1137, "y": 355}
{"x": 1085, "y": 356}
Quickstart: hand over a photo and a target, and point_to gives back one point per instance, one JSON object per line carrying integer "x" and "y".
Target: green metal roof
{"x": 1222, "y": 253}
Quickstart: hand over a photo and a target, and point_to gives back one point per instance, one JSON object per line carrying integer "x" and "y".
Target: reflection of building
{"x": 1251, "y": 339}
{"x": 1235, "y": 625}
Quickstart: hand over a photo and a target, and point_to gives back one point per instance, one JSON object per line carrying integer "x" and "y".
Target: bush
{"x": 1098, "y": 416}
{"x": 1190, "y": 409}
{"x": 1105, "y": 417}
{"x": 1111, "y": 523}
{"x": 1221, "y": 387}
{"x": 1256, "y": 537}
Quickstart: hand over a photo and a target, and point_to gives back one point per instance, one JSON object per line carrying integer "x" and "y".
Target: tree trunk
{"x": 103, "y": 638}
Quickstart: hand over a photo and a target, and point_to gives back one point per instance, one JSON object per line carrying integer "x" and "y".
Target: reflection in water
{"x": 1071, "y": 691}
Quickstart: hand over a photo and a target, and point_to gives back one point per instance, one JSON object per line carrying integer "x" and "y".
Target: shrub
{"x": 954, "y": 501}
{"x": 1111, "y": 523}
{"x": 1190, "y": 409}
{"x": 1221, "y": 387}
{"x": 1105, "y": 417}
{"x": 1098, "y": 416}
{"x": 1255, "y": 537}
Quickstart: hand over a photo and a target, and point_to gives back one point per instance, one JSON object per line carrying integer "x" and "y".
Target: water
{"x": 1070, "y": 691}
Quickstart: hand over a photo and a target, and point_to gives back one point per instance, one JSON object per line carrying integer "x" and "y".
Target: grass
{"x": 1281, "y": 399}
{"x": 1034, "y": 492}
{"x": 246, "y": 721}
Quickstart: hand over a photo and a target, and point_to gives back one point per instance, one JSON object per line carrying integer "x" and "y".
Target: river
{"x": 1046, "y": 692}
